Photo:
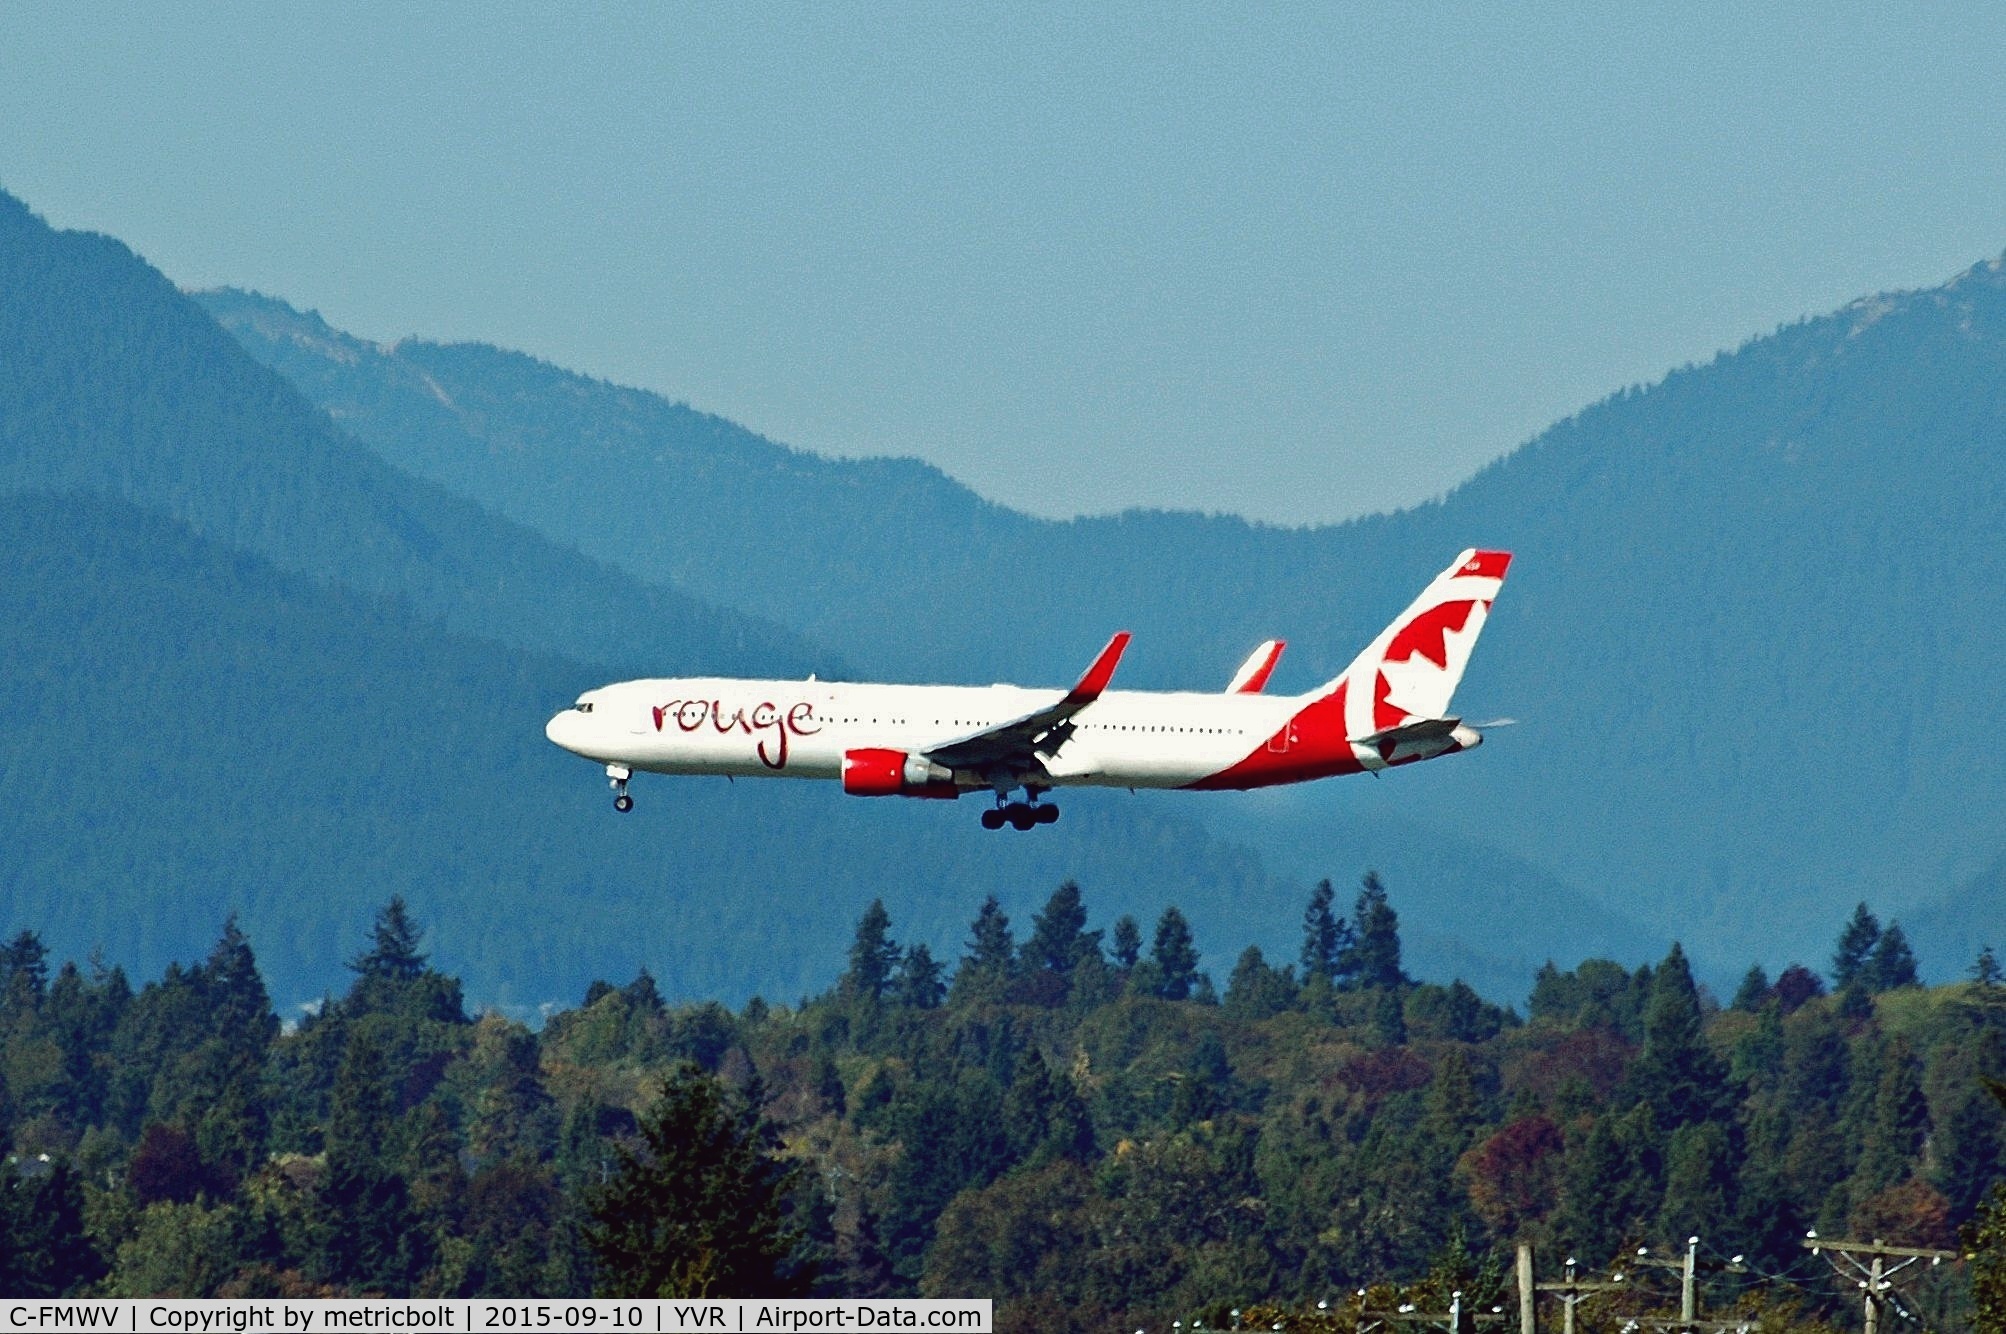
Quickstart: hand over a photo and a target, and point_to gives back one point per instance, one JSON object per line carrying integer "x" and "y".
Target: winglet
{"x": 1098, "y": 675}
{"x": 1254, "y": 672}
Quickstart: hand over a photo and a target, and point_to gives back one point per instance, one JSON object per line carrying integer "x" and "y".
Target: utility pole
{"x": 1687, "y": 1267}
{"x": 1876, "y": 1280}
{"x": 1686, "y": 1285}
{"x": 1573, "y": 1292}
{"x": 1684, "y": 1266}
{"x": 1528, "y": 1313}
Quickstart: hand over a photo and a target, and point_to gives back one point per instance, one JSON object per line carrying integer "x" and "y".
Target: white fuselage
{"x": 801, "y": 729}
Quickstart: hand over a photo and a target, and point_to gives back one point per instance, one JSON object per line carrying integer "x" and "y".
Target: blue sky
{"x": 1293, "y": 262}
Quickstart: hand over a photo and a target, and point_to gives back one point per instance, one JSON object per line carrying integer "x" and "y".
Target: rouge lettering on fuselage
{"x": 766, "y": 720}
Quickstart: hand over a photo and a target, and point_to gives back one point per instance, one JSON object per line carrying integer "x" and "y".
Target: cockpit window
{"x": 583, "y": 706}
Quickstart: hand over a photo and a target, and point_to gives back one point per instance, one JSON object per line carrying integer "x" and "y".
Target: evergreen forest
{"x": 1084, "y": 1125}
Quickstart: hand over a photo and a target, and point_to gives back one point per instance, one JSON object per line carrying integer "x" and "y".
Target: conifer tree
{"x": 1452, "y": 1109}
{"x": 1985, "y": 970}
{"x": 512, "y": 1219}
{"x": 228, "y": 1103}
{"x": 360, "y": 1122}
{"x": 1967, "y": 1147}
{"x": 1207, "y": 1085}
{"x": 991, "y": 959}
{"x": 364, "y": 1232}
{"x": 1856, "y": 946}
{"x": 432, "y": 1164}
{"x": 1700, "y": 1172}
{"x": 1070, "y": 1133}
{"x": 1256, "y": 991}
{"x": 393, "y": 951}
{"x": 1027, "y": 1107}
{"x": 24, "y": 961}
{"x": 1897, "y": 1123}
{"x": 990, "y": 943}
{"x": 1892, "y": 964}
{"x": 701, "y": 1207}
{"x": 1374, "y": 957}
{"x": 1592, "y": 1220}
{"x": 1757, "y": 1060}
{"x": 236, "y": 991}
{"x": 1677, "y": 1075}
{"x": 644, "y": 995}
{"x": 1753, "y": 991}
{"x": 45, "y": 1247}
{"x": 1856, "y": 1004}
{"x": 874, "y": 956}
{"x": 919, "y": 983}
{"x": 392, "y": 977}
{"x": 81, "y": 1017}
{"x": 1059, "y": 940}
{"x": 1326, "y": 937}
{"x": 1126, "y": 947}
{"x": 1388, "y": 1018}
{"x": 1175, "y": 955}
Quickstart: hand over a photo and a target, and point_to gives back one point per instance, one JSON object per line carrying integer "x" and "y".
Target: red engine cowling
{"x": 893, "y": 773}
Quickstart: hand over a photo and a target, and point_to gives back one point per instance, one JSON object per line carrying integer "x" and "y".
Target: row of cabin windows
{"x": 1086, "y": 727}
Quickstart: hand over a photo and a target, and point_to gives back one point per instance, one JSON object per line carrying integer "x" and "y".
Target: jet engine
{"x": 873, "y": 772}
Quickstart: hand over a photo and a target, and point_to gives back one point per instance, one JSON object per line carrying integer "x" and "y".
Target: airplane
{"x": 1389, "y": 708}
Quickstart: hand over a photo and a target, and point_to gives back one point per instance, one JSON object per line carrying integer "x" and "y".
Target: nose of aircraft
{"x": 563, "y": 729}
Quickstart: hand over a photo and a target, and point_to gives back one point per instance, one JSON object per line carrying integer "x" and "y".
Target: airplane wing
{"x": 1024, "y": 743}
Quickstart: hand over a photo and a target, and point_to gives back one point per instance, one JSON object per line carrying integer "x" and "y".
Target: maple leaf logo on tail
{"x": 1410, "y": 672}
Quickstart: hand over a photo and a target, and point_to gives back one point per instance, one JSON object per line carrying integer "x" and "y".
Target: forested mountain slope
{"x": 112, "y": 381}
{"x": 1752, "y": 626}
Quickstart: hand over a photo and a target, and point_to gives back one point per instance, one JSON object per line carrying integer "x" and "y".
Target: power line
{"x": 1874, "y": 1278}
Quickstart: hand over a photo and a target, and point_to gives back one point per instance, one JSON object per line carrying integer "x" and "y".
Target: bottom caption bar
{"x": 791, "y": 1315}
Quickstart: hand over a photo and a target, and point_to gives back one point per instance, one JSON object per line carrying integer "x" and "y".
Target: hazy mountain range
{"x": 284, "y": 642}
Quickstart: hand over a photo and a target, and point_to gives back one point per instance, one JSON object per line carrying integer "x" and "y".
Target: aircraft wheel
{"x": 623, "y": 803}
{"x": 1021, "y": 817}
{"x": 993, "y": 818}
{"x": 1047, "y": 814}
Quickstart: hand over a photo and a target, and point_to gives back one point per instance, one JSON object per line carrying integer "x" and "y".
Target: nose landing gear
{"x": 617, "y": 776}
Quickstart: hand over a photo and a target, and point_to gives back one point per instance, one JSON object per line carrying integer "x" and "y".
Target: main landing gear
{"x": 617, "y": 775}
{"x": 1020, "y": 815}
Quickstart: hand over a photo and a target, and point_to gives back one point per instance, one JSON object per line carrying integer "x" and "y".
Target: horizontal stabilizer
{"x": 1421, "y": 729}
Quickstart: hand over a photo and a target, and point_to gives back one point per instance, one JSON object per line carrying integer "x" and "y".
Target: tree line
{"x": 1080, "y": 1124}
